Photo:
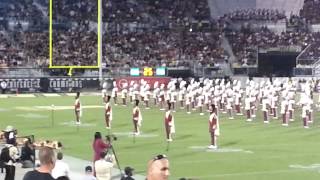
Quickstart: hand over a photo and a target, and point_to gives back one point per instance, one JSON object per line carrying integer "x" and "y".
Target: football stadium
{"x": 159, "y": 89}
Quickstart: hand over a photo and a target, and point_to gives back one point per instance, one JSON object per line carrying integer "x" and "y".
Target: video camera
{"x": 111, "y": 137}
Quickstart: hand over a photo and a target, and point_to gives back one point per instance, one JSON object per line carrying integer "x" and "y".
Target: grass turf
{"x": 262, "y": 151}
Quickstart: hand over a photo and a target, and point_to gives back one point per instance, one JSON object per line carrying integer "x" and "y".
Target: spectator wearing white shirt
{"x": 103, "y": 167}
{"x": 61, "y": 168}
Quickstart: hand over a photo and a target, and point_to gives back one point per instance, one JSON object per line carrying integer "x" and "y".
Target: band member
{"x": 213, "y": 127}
{"x": 169, "y": 123}
{"x": 108, "y": 112}
{"x": 161, "y": 97}
{"x": 188, "y": 101}
{"x": 265, "y": 103}
{"x": 147, "y": 95}
{"x": 124, "y": 93}
{"x": 77, "y": 108}
{"x": 247, "y": 107}
{"x": 284, "y": 111}
{"x": 114, "y": 93}
{"x": 137, "y": 118}
{"x": 156, "y": 91}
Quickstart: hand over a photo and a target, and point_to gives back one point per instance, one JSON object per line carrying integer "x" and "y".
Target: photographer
{"x": 99, "y": 146}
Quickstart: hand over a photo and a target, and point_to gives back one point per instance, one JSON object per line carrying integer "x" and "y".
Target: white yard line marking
{"x": 241, "y": 174}
{"x": 51, "y": 95}
{"x": 32, "y": 115}
{"x": 219, "y": 150}
{"x": 3, "y": 96}
{"x": 41, "y": 108}
{"x": 73, "y": 124}
{"x": 23, "y": 95}
{"x": 130, "y": 134}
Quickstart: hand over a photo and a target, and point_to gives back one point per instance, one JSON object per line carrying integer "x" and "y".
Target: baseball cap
{"x": 88, "y": 169}
{"x": 128, "y": 170}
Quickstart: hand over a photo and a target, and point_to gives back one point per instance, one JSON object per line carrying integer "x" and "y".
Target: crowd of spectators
{"x": 310, "y": 11}
{"x": 176, "y": 46}
{"x": 75, "y": 10}
{"x": 164, "y": 48}
{"x": 252, "y": 39}
{"x": 75, "y": 48}
{"x": 313, "y": 51}
{"x": 19, "y": 9}
{"x": 169, "y": 11}
{"x": 255, "y": 14}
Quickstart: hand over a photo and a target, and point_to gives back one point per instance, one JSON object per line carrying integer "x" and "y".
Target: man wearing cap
{"x": 88, "y": 175}
{"x": 128, "y": 172}
{"x": 10, "y": 135}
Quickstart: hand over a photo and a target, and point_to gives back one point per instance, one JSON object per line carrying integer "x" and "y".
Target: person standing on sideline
{"x": 213, "y": 127}
{"x": 169, "y": 123}
{"x": 128, "y": 173}
{"x": 61, "y": 168}
{"x": 103, "y": 167}
{"x": 137, "y": 118}
{"x": 47, "y": 163}
{"x": 108, "y": 112}
{"x": 77, "y": 108}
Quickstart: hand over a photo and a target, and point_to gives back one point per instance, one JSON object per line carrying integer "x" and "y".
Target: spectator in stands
{"x": 28, "y": 154}
{"x": 89, "y": 174}
{"x": 128, "y": 173}
{"x": 47, "y": 163}
{"x": 158, "y": 168}
{"x": 103, "y": 167}
{"x": 61, "y": 168}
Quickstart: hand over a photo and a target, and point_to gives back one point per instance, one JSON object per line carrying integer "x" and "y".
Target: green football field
{"x": 247, "y": 150}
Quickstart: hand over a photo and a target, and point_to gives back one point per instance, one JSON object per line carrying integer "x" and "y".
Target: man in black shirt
{"x": 128, "y": 174}
{"x": 27, "y": 154}
{"x": 47, "y": 163}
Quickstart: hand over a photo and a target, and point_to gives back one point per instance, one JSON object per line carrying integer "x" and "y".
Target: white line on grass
{"x": 32, "y": 115}
{"x": 250, "y": 173}
{"x": 73, "y": 124}
{"x": 130, "y": 134}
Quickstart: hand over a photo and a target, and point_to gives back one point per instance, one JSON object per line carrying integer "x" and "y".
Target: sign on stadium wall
{"x": 150, "y": 80}
{"x": 50, "y": 84}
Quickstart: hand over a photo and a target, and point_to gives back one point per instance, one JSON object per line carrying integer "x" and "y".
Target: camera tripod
{"x": 111, "y": 151}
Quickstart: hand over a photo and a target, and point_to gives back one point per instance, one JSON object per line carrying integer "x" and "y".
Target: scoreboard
{"x": 148, "y": 71}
